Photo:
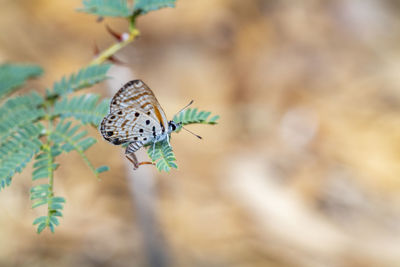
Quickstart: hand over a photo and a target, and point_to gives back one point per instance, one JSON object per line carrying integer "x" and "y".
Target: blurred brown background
{"x": 302, "y": 170}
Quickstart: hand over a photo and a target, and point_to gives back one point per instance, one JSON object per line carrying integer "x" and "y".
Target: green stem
{"x": 107, "y": 53}
{"x": 51, "y": 178}
{"x": 68, "y": 140}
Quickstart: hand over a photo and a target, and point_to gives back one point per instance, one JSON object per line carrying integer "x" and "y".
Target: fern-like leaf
{"x": 112, "y": 8}
{"x": 144, "y": 6}
{"x": 18, "y": 150}
{"x": 43, "y": 194}
{"x": 13, "y": 76}
{"x": 191, "y": 116}
{"x": 84, "y": 108}
{"x": 162, "y": 155}
{"x": 70, "y": 139}
{"x": 84, "y": 78}
{"x": 19, "y": 111}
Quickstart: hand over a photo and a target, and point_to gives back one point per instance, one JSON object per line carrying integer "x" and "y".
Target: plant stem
{"x": 106, "y": 54}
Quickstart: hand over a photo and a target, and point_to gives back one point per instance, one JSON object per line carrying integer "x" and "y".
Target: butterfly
{"x": 136, "y": 118}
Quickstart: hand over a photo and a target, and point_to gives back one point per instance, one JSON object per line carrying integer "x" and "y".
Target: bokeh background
{"x": 302, "y": 170}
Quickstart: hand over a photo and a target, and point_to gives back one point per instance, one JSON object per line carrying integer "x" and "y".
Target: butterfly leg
{"x": 132, "y": 158}
{"x": 168, "y": 140}
{"x": 154, "y": 147}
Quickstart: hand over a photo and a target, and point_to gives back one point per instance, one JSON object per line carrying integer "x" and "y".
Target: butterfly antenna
{"x": 198, "y": 136}
{"x": 191, "y": 102}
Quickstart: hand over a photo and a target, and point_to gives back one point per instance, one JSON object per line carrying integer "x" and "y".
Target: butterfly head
{"x": 173, "y": 126}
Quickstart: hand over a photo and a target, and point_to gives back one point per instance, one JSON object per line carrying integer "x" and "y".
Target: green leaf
{"x": 40, "y": 173}
{"x": 84, "y": 108}
{"x": 38, "y": 195}
{"x": 57, "y": 200}
{"x": 43, "y": 194}
{"x": 41, "y": 227}
{"x": 111, "y": 8}
{"x": 54, "y": 221}
{"x": 102, "y": 169}
{"x": 144, "y": 6}
{"x": 18, "y": 112}
{"x": 40, "y": 188}
{"x": 51, "y": 226}
{"x": 69, "y": 140}
{"x": 214, "y": 119}
{"x": 17, "y": 150}
{"x": 39, "y": 203}
{"x": 40, "y": 219}
{"x": 55, "y": 206}
{"x": 84, "y": 78}
{"x": 161, "y": 153}
{"x": 190, "y": 116}
{"x": 57, "y": 213}
{"x": 13, "y": 76}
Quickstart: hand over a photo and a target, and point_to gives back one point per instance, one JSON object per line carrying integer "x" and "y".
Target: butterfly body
{"x": 136, "y": 118}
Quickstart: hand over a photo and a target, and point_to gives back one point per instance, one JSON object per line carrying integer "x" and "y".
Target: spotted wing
{"x": 137, "y": 95}
{"x": 127, "y": 125}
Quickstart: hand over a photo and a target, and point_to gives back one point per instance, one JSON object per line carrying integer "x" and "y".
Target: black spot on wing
{"x": 116, "y": 141}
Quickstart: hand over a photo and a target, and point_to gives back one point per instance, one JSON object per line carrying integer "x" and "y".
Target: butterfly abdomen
{"x": 133, "y": 147}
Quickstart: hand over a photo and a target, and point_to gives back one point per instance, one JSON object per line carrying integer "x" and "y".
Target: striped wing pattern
{"x": 135, "y": 117}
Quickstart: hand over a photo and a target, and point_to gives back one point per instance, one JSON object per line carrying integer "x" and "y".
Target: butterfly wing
{"x": 136, "y": 94}
{"x": 135, "y": 116}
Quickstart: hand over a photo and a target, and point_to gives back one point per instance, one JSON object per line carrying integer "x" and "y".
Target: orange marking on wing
{"x": 158, "y": 115}
{"x": 145, "y": 105}
{"x": 123, "y": 124}
{"x": 136, "y": 97}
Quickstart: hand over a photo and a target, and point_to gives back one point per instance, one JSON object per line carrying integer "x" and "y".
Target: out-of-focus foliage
{"x": 12, "y": 76}
{"x": 43, "y": 194}
{"x": 17, "y": 150}
{"x": 112, "y": 8}
{"x": 19, "y": 111}
{"x": 121, "y": 8}
{"x": 145, "y": 6}
{"x": 24, "y": 134}
{"x": 85, "y": 108}
{"x": 84, "y": 78}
